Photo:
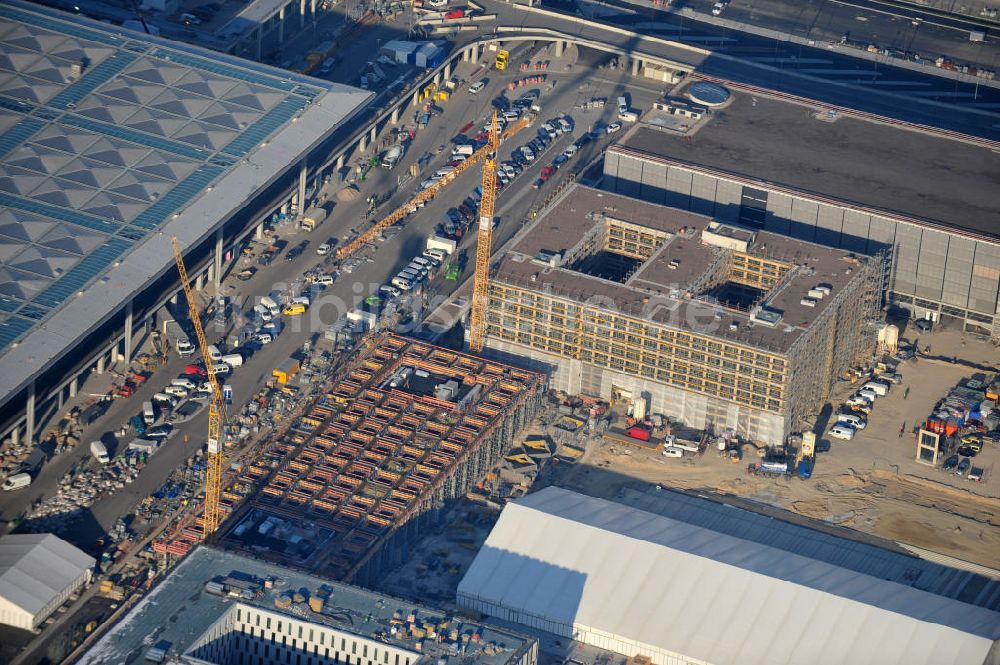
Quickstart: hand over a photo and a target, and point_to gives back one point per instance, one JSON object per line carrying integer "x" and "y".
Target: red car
{"x": 195, "y": 370}
{"x": 546, "y": 173}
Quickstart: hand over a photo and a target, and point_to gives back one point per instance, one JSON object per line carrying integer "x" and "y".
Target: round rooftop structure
{"x": 708, "y": 94}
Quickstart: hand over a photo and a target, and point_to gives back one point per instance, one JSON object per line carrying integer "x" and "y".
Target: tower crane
{"x": 216, "y": 408}
{"x": 432, "y": 191}
{"x": 484, "y": 245}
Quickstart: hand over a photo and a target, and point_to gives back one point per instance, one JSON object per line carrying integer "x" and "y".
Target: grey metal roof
{"x": 861, "y": 557}
{"x": 35, "y": 568}
{"x": 94, "y": 163}
{"x": 669, "y": 586}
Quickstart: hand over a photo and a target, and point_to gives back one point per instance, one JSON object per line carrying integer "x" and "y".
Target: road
{"x": 828, "y": 73}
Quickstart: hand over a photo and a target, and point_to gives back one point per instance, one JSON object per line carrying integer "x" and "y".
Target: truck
{"x": 806, "y": 468}
{"x": 16, "y": 481}
{"x": 444, "y": 244}
{"x": 148, "y": 414}
{"x": 392, "y": 156}
{"x": 33, "y": 462}
{"x": 271, "y": 306}
{"x": 313, "y": 218}
{"x": 99, "y": 451}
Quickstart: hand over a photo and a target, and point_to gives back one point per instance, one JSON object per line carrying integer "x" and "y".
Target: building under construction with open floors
{"x": 398, "y": 433}
{"x": 707, "y": 322}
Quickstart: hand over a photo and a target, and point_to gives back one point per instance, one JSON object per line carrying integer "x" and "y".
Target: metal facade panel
{"x": 881, "y": 234}
{"x": 703, "y": 194}
{"x": 855, "y": 233}
{"x": 654, "y": 183}
{"x": 803, "y": 219}
{"x": 679, "y": 188}
{"x": 958, "y": 271}
{"x": 779, "y": 213}
{"x": 829, "y": 224}
{"x": 907, "y": 252}
{"x": 985, "y": 284}
{"x": 611, "y": 163}
{"x": 727, "y": 200}
{"x": 930, "y": 264}
{"x": 629, "y": 177}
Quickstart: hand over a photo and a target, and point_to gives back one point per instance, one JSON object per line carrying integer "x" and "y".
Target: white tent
{"x": 638, "y": 583}
{"x": 38, "y": 572}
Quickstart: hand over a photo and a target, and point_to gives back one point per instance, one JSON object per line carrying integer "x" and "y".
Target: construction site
{"x": 717, "y": 326}
{"x": 399, "y": 433}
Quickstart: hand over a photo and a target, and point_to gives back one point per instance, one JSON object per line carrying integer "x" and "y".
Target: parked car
{"x": 476, "y": 87}
{"x": 195, "y": 370}
{"x": 842, "y": 431}
{"x": 159, "y": 431}
{"x": 963, "y": 466}
{"x": 546, "y": 173}
{"x": 613, "y": 127}
{"x": 975, "y": 474}
{"x": 924, "y": 325}
{"x": 323, "y": 249}
{"x": 950, "y": 463}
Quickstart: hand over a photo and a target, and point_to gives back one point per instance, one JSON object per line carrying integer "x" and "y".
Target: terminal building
{"x": 680, "y": 579}
{"x": 711, "y": 323}
{"x": 237, "y": 610}
{"x": 844, "y": 182}
{"x": 111, "y": 143}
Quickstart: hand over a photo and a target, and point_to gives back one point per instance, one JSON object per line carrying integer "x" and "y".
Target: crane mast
{"x": 484, "y": 245}
{"x": 216, "y": 408}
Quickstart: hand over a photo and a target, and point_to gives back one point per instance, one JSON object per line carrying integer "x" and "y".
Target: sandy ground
{"x": 871, "y": 483}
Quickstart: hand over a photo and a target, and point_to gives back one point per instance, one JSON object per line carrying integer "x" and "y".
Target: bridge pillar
{"x": 362, "y": 143}
{"x": 281, "y": 25}
{"x": 636, "y": 66}
{"x": 258, "y": 233}
{"x": 437, "y": 79}
{"x": 465, "y": 55}
{"x": 373, "y": 133}
{"x": 416, "y": 97}
{"x": 447, "y": 70}
{"x": 474, "y": 53}
{"x": 560, "y": 47}
{"x": 340, "y": 161}
{"x": 395, "y": 116}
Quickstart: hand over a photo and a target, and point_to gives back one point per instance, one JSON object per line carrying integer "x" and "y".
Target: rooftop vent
{"x": 550, "y": 259}
{"x": 765, "y": 317}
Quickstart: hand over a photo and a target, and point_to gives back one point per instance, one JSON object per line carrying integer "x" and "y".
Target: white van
{"x": 164, "y": 398}
{"x": 214, "y": 353}
{"x": 477, "y": 87}
{"x": 220, "y": 368}
{"x": 17, "y": 481}
{"x": 868, "y": 394}
{"x": 324, "y": 280}
{"x": 233, "y": 359}
{"x": 879, "y": 389}
{"x": 855, "y": 421}
{"x": 622, "y": 105}
{"x": 186, "y": 384}
{"x": 842, "y": 431}
{"x": 402, "y": 283}
{"x": 672, "y": 451}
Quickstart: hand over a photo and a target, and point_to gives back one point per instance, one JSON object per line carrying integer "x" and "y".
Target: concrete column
{"x": 437, "y": 79}
{"x": 636, "y": 66}
{"x": 199, "y": 281}
{"x": 258, "y": 233}
{"x": 74, "y": 385}
{"x": 447, "y": 70}
{"x": 15, "y": 435}
{"x": 302, "y": 14}
{"x": 29, "y": 416}
{"x": 60, "y": 399}
{"x": 560, "y": 47}
{"x": 218, "y": 260}
{"x": 128, "y": 331}
{"x": 281, "y": 25}
{"x": 465, "y": 55}
{"x": 395, "y": 116}
{"x": 173, "y": 299}
{"x": 302, "y": 187}
{"x": 373, "y": 133}
{"x": 312, "y": 10}
{"x": 363, "y": 143}
{"x": 474, "y": 53}
{"x": 416, "y": 97}
{"x": 340, "y": 161}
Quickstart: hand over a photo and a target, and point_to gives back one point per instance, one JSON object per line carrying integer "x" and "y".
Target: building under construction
{"x": 396, "y": 435}
{"x": 707, "y": 322}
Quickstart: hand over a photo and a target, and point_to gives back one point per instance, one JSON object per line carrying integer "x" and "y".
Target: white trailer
{"x": 445, "y": 244}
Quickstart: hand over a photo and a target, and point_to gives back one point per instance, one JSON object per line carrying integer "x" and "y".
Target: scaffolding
{"x": 371, "y": 456}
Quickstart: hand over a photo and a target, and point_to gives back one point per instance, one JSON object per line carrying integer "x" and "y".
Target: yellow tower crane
{"x": 216, "y": 409}
{"x": 484, "y": 245}
{"x": 429, "y": 193}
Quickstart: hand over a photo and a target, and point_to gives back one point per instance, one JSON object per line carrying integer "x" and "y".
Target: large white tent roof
{"x": 708, "y": 595}
{"x": 34, "y": 568}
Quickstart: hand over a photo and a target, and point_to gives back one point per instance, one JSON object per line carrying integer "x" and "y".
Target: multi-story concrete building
{"x": 236, "y": 610}
{"x": 844, "y": 182}
{"x": 708, "y": 322}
